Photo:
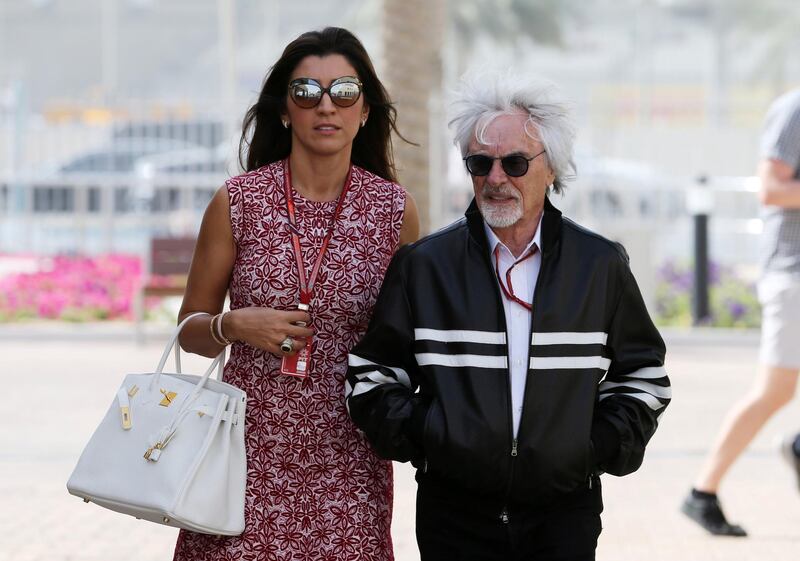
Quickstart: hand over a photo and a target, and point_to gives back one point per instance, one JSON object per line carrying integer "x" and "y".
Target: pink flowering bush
{"x": 73, "y": 289}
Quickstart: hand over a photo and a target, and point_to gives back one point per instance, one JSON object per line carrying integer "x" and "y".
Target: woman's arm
{"x": 209, "y": 276}
{"x": 409, "y": 230}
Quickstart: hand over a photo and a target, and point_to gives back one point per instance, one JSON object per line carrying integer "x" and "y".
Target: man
{"x": 483, "y": 362}
{"x": 779, "y": 295}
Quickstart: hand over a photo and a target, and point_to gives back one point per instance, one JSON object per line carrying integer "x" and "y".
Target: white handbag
{"x": 170, "y": 450}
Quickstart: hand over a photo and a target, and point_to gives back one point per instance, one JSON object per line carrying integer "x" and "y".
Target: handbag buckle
{"x": 168, "y": 397}
{"x": 154, "y": 452}
{"x": 126, "y": 417}
{"x": 149, "y": 454}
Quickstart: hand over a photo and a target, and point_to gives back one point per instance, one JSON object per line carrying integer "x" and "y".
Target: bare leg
{"x": 774, "y": 387}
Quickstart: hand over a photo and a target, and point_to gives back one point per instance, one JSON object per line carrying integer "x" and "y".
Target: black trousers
{"x": 456, "y": 526}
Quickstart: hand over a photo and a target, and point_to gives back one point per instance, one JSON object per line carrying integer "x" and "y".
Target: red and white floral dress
{"x": 315, "y": 489}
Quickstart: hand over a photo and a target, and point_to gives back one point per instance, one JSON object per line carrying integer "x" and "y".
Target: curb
{"x": 710, "y": 335}
{"x": 127, "y": 331}
{"x": 99, "y": 331}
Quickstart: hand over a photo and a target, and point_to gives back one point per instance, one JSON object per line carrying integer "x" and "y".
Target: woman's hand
{"x": 267, "y": 328}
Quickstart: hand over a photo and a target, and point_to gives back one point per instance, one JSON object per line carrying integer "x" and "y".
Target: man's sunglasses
{"x": 307, "y": 92}
{"x": 515, "y": 165}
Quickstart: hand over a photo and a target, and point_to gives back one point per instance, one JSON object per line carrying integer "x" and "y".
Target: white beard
{"x": 500, "y": 216}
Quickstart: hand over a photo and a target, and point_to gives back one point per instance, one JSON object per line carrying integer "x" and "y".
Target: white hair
{"x": 484, "y": 96}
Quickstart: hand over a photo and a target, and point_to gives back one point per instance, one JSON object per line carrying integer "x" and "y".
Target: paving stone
{"x": 73, "y": 381}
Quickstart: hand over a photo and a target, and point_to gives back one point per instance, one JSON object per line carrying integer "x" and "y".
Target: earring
{"x": 363, "y": 122}
{"x": 285, "y": 124}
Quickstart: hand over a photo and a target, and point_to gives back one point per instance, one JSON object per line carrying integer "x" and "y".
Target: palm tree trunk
{"x": 412, "y": 44}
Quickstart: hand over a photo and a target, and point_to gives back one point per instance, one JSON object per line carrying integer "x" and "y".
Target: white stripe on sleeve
{"x": 369, "y": 381}
{"x": 653, "y": 389}
{"x": 402, "y": 375}
{"x": 651, "y": 401}
{"x": 649, "y": 373}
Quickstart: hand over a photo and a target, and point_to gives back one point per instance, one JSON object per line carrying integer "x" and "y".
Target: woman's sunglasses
{"x": 515, "y": 165}
{"x": 307, "y": 92}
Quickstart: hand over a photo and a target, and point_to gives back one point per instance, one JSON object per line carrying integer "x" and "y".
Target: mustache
{"x": 506, "y": 191}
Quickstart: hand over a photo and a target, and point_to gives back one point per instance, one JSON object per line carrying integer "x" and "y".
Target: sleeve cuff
{"x": 605, "y": 441}
{"x": 416, "y": 422}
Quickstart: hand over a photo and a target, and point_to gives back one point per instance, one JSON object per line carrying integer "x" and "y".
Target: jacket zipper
{"x": 504, "y": 517}
{"x": 515, "y": 439}
{"x": 514, "y": 452}
{"x": 499, "y": 299}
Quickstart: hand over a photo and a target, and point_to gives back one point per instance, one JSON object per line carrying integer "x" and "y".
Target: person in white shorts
{"x": 779, "y": 294}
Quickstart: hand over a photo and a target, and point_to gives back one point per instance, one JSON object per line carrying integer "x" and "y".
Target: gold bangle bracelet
{"x": 220, "y": 334}
{"x": 211, "y": 329}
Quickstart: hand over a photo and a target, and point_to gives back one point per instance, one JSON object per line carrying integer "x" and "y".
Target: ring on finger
{"x": 287, "y": 345}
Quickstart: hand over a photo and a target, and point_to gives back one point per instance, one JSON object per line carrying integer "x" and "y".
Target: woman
{"x": 319, "y": 184}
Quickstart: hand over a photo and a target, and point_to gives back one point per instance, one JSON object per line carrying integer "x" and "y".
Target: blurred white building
{"x": 118, "y": 118}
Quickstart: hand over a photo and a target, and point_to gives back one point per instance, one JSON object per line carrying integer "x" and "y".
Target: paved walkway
{"x": 70, "y": 383}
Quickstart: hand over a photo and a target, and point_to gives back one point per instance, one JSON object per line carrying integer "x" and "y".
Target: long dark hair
{"x": 265, "y": 140}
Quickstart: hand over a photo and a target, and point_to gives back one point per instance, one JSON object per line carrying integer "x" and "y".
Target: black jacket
{"x": 429, "y": 381}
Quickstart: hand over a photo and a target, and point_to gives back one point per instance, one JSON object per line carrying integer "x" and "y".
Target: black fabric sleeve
{"x": 636, "y": 389}
{"x": 381, "y": 384}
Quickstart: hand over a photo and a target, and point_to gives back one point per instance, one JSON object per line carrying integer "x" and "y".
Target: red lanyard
{"x": 307, "y": 286}
{"x": 509, "y": 292}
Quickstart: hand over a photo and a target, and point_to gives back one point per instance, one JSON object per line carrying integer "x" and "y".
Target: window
{"x": 202, "y": 197}
{"x": 123, "y": 202}
{"x": 166, "y": 199}
{"x": 94, "y": 200}
{"x": 53, "y": 199}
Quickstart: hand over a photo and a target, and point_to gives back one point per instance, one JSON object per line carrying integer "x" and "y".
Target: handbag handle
{"x": 168, "y": 431}
{"x": 218, "y": 362}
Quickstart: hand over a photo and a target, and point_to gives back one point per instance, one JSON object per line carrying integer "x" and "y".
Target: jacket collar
{"x": 551, "y": 226}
